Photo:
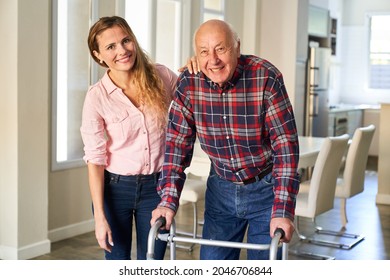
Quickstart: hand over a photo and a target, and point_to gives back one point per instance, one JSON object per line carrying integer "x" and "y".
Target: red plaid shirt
{"x": 243, "y": 127}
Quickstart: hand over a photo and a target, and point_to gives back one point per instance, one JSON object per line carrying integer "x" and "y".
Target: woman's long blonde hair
{"x": 146, "y": 78}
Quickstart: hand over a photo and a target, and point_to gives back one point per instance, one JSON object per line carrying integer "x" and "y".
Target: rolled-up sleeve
{"x": 93, "y": 132}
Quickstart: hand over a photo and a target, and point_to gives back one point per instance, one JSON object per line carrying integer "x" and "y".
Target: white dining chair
{"x": 352, "y": 181}
{"x": 194, "y": 190}
{"x": 316, "y": 196}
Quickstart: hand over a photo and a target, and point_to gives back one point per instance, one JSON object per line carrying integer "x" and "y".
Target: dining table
{"x": 309, "y": 148}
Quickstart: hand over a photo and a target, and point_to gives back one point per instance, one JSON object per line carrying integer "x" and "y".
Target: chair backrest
{"x": 356, "y": 161}
{"x": 200, "y": 164}
{"x": 323, "y": 181}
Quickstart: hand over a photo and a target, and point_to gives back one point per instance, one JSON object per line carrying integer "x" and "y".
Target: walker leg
{"x": 285, "y": 251}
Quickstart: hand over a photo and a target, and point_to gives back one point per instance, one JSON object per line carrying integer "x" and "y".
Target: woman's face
{"x": 116, "y": 49}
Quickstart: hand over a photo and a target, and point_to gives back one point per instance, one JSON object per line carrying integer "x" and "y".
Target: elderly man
{"x": 239, "y": 109}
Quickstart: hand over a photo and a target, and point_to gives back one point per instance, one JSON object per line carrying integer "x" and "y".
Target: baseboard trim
{"x": 71, "y": 230}
{"x": 44, "y": 247}
{"x": 383, "y": 199}
{"x": 27, "y": 252}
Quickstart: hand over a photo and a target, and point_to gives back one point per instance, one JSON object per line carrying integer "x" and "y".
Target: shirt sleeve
{"x": 284, "y": 140}
{"x": 92, "y": 130}
{"x": 178, "y": 149}
{"x": 168, "y": 77}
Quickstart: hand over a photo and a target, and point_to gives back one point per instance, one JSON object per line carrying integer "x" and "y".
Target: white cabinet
{"x": 331, "y": 118}
{"x": 318, "y": 22}
{"x": 355, "y": 120}
{"x": 344, "y": 121}
{"x": 337, "y": 123}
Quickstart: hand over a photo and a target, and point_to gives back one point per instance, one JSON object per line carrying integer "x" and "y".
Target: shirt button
{"x": 224, "y": 117}
{"x": 232, "y": 159}
{"x": 146, "y": 149}
{"x": 227, "y": 137}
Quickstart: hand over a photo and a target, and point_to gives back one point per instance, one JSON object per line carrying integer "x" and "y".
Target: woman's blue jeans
{"x": 127, "y": 198}
{"x": 231, "y": 210}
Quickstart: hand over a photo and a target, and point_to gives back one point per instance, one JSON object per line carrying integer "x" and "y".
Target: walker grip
{"x": 279, "y": 231}
{"x": 162, "y": 220}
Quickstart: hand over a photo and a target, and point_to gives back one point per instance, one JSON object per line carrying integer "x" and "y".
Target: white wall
{"x": 24, "y": 127}
{"x": 8, "y": 127}
{"x": 35, "y": 203}
{"x": 250, "y": 35}
{"x": 284, "y": 42}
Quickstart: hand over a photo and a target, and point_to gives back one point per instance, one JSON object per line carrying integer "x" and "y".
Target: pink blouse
{"x": 116, "y": 134}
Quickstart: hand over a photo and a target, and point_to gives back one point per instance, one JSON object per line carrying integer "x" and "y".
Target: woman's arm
{"x": 96, "y": 185}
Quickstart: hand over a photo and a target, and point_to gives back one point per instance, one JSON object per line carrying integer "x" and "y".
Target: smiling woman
{"x": 123, "y": 130}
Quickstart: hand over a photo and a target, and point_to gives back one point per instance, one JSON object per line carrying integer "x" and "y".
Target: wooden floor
{"x": 365, "y": 218}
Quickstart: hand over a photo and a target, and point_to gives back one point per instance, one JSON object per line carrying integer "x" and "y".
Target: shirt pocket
{"x": 119, "y": 117}
{"x": 123, "y": 124}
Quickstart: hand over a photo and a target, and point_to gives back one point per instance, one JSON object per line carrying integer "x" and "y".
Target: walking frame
{"x": 171, "y": 238}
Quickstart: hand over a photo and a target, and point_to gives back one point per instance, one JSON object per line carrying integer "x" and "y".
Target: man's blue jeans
{"x": 127, "y": 198}
{"x": 231, "y": 210}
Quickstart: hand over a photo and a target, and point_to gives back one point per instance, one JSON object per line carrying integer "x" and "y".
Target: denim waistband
{"x": 132, "y": 178}
{"x": 258, "y": 177}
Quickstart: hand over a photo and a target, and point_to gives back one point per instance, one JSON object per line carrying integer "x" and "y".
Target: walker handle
{"x": 273, "y": 250}
{"x": 279, "y": 231}
{"x": 162, "y": 220}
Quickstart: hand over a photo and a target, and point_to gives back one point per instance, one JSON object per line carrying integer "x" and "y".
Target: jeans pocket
{"x": 268, "y": 179}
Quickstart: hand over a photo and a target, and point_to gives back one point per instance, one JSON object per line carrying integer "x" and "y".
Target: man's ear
{"x": 238, "y": 48}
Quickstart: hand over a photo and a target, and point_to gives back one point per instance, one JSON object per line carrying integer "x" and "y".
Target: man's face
{"x": 216, "y": 53}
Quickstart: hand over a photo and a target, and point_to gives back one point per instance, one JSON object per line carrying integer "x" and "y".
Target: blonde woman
{"x": 123, "y": 129}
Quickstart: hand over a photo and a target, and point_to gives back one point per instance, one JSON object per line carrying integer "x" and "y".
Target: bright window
{"x": 213, "y": 9}
{"x": 379, "y": 75}
{"x": 71, "y": 74}
{"x": 162, "y": 29}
